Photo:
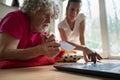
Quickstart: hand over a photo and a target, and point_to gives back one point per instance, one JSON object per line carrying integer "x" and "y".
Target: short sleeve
{"x": 11, "y": 25}
{"x": 81, "y": 17}
{"x": 63, "y": 24}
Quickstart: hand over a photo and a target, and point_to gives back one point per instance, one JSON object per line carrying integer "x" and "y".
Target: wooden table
{"x": 45, "y": 73}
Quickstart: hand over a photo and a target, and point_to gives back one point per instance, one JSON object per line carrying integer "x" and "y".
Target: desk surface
{"x": 44, "y": 73}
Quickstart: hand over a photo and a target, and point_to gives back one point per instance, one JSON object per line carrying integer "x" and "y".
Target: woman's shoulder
{"x": 62, "y": 23}
{"x": 81, "y": 16}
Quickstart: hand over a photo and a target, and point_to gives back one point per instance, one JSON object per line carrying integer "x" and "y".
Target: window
{"x": 93, "y": 33}
{"x": 8, "y": 2}
{"x": 113, "y": 22}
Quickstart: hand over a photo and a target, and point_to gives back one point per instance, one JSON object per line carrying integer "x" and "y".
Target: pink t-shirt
{"x": 17, "y": 25}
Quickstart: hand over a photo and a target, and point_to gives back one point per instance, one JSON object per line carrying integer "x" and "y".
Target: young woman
{"x": 72, "y": 29}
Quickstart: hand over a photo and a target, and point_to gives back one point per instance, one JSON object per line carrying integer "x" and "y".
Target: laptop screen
{"x": 100, "y": 69}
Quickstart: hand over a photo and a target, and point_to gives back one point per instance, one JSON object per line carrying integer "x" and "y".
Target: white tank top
{"x": 72, "y": 35}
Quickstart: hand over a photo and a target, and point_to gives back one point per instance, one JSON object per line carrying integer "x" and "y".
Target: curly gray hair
{"x": 31, "y": 6}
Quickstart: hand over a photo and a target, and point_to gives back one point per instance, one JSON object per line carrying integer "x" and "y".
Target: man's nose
{"x": 48, "y": 20}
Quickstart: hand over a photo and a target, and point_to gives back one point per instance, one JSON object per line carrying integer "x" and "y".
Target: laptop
{"x": 109, "y": 70}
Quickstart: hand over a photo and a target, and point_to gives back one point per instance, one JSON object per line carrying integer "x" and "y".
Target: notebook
{"x": 110, "y": 70}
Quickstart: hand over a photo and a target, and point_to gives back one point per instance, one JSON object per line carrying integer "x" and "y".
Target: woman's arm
{"x": 62, "y": 34}
{"x": 82, "y": 32}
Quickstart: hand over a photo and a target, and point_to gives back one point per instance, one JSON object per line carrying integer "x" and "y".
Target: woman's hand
{"x": 94, "y": 56}
{"x": 91, "y": 56}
